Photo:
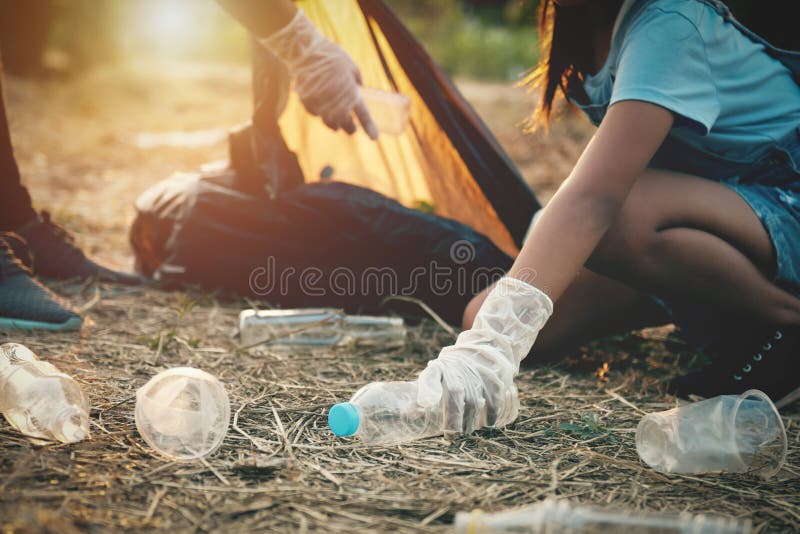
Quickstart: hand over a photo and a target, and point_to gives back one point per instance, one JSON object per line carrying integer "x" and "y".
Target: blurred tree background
{"x": 479, "y": 39}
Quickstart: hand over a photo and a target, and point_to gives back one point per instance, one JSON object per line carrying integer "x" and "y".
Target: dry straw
{"x": 280, "y": 469}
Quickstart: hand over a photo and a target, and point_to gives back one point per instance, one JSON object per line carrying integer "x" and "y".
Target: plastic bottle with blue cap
{"x": 383, "y": 413}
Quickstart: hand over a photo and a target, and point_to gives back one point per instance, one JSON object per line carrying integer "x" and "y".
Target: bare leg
{"x": 594, "y": 307}
{"x": 696, "y": 241}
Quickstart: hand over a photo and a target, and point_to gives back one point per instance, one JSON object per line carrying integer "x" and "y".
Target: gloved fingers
{"x": 454, "y": 407}
{"x": 348, "y": 125}
{"x": 495, "y": 396}
{"x": 473, "y": 407}
{"x": 330, "y": 122}
{"x": 429, "y": 385}
{"x": 365, "y": 119}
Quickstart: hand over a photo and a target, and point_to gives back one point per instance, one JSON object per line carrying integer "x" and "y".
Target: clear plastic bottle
{"x": 553, "y": 516}
{"x": 39, "y": 400}
{"x": 319, "y": 327}
{"x": 389, "y": 110}
{"x": 382, "y": 413}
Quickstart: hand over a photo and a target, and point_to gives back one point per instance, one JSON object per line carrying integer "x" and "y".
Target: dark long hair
{"x": 566, "y": 41}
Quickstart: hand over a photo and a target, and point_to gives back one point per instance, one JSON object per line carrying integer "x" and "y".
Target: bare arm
{"x": 261, "y": 17}
{"x": 588, "y": 201}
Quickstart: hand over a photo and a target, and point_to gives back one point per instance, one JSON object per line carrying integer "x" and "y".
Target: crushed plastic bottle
{"x": 319, "y": 327}
{"x": 183, "y": 413}
{"x": 382, "y": 413}
{"x": 389, "y": 110}
{"x": 553, "y": 516}
{"x": 39, "y": 400}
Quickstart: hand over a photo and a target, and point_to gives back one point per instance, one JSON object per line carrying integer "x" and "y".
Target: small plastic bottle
{"x": 318, "y": 327}
{"x": 388, "y": 109}
{"x": 553, "y": 516}
{"x": 382, "y": 413}
{"x": 39, "y": 400}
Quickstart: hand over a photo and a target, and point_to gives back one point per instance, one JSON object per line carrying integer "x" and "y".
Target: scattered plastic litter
{"x": 385, "y": 412}
{"x": 319, "y": 327}
{"x": 553, "y": 516}
{"x": 39, "y": 400}
{"x": 729, "y": 433}
{"x": 389, "y": 110}
{"x": 183, "y": 413}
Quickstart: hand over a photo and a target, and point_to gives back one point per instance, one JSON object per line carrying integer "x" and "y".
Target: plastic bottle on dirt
{"x": 318, "y": 327}
{"x": 381, "y": 413}
{"x": 553, "y": 516}
{"x": 39, "y": 400}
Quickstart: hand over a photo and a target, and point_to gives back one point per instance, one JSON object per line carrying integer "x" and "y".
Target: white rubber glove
{"x": 325, "y": 78}
{"x": 475, "y": 376}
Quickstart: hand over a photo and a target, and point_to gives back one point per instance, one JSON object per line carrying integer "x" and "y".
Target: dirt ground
{"x": 279, "y": 468}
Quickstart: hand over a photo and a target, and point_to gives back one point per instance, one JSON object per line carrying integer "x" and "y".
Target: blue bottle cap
{"x": 343, "y": 419}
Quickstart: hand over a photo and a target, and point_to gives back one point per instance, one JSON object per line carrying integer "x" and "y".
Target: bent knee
{"x": 631, "y": 240}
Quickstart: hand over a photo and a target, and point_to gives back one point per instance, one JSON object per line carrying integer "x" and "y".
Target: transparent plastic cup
{"x": 729, "y": 434}
{"x": 389, "y": 110}
{"x": 183, "y": 413}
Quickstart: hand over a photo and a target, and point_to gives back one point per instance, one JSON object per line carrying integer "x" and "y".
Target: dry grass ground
{"x": 279, "y": 468}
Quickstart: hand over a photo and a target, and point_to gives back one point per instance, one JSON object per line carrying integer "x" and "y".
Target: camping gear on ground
{"x": 383, "y": 413}
{"x": 183, "y": 413}
{"x": 729, "y": 433}
{"x": 318, "y": 245}
{"x": 407, "y": 199}
{"x": 39, "y": 400}
{"x": 318, "y": 327}
{"x": 389, "y": 110}
{"x": 554, "y": 516}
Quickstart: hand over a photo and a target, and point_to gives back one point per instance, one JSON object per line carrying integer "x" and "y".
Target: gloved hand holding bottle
{"x": 325, "y": 77}
{"x": 470, "y": 384}
{"x": 474, "y": 378}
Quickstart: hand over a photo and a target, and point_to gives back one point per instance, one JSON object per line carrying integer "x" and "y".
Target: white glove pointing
{"x": 475, "y": 376}
{"x": 325, "y": 78}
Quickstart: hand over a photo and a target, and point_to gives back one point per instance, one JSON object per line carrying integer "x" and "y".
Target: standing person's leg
{"x": 54, "y": 252}
{"x": 16, "y": 208}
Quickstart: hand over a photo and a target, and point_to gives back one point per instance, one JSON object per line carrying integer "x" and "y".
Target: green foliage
{"x": 491, "y": 43}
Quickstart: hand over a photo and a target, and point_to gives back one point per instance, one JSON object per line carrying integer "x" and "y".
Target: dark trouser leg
{"x": 16, "y": 208}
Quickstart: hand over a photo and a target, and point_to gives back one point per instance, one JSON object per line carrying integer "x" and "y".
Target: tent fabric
{"x": 446, "y": 159}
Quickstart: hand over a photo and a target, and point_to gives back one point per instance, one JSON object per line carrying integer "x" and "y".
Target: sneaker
{"x": 25, "y": 304}
{"x": 55, "y": 255}
{"x": 768, "y": 367}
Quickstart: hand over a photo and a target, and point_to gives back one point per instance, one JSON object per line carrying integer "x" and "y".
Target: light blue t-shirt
{"x": 730, "y": 97}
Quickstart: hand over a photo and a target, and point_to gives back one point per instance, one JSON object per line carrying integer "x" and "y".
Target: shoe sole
{"x": 788, "y": 399}
{"x": 73, "y": 323}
